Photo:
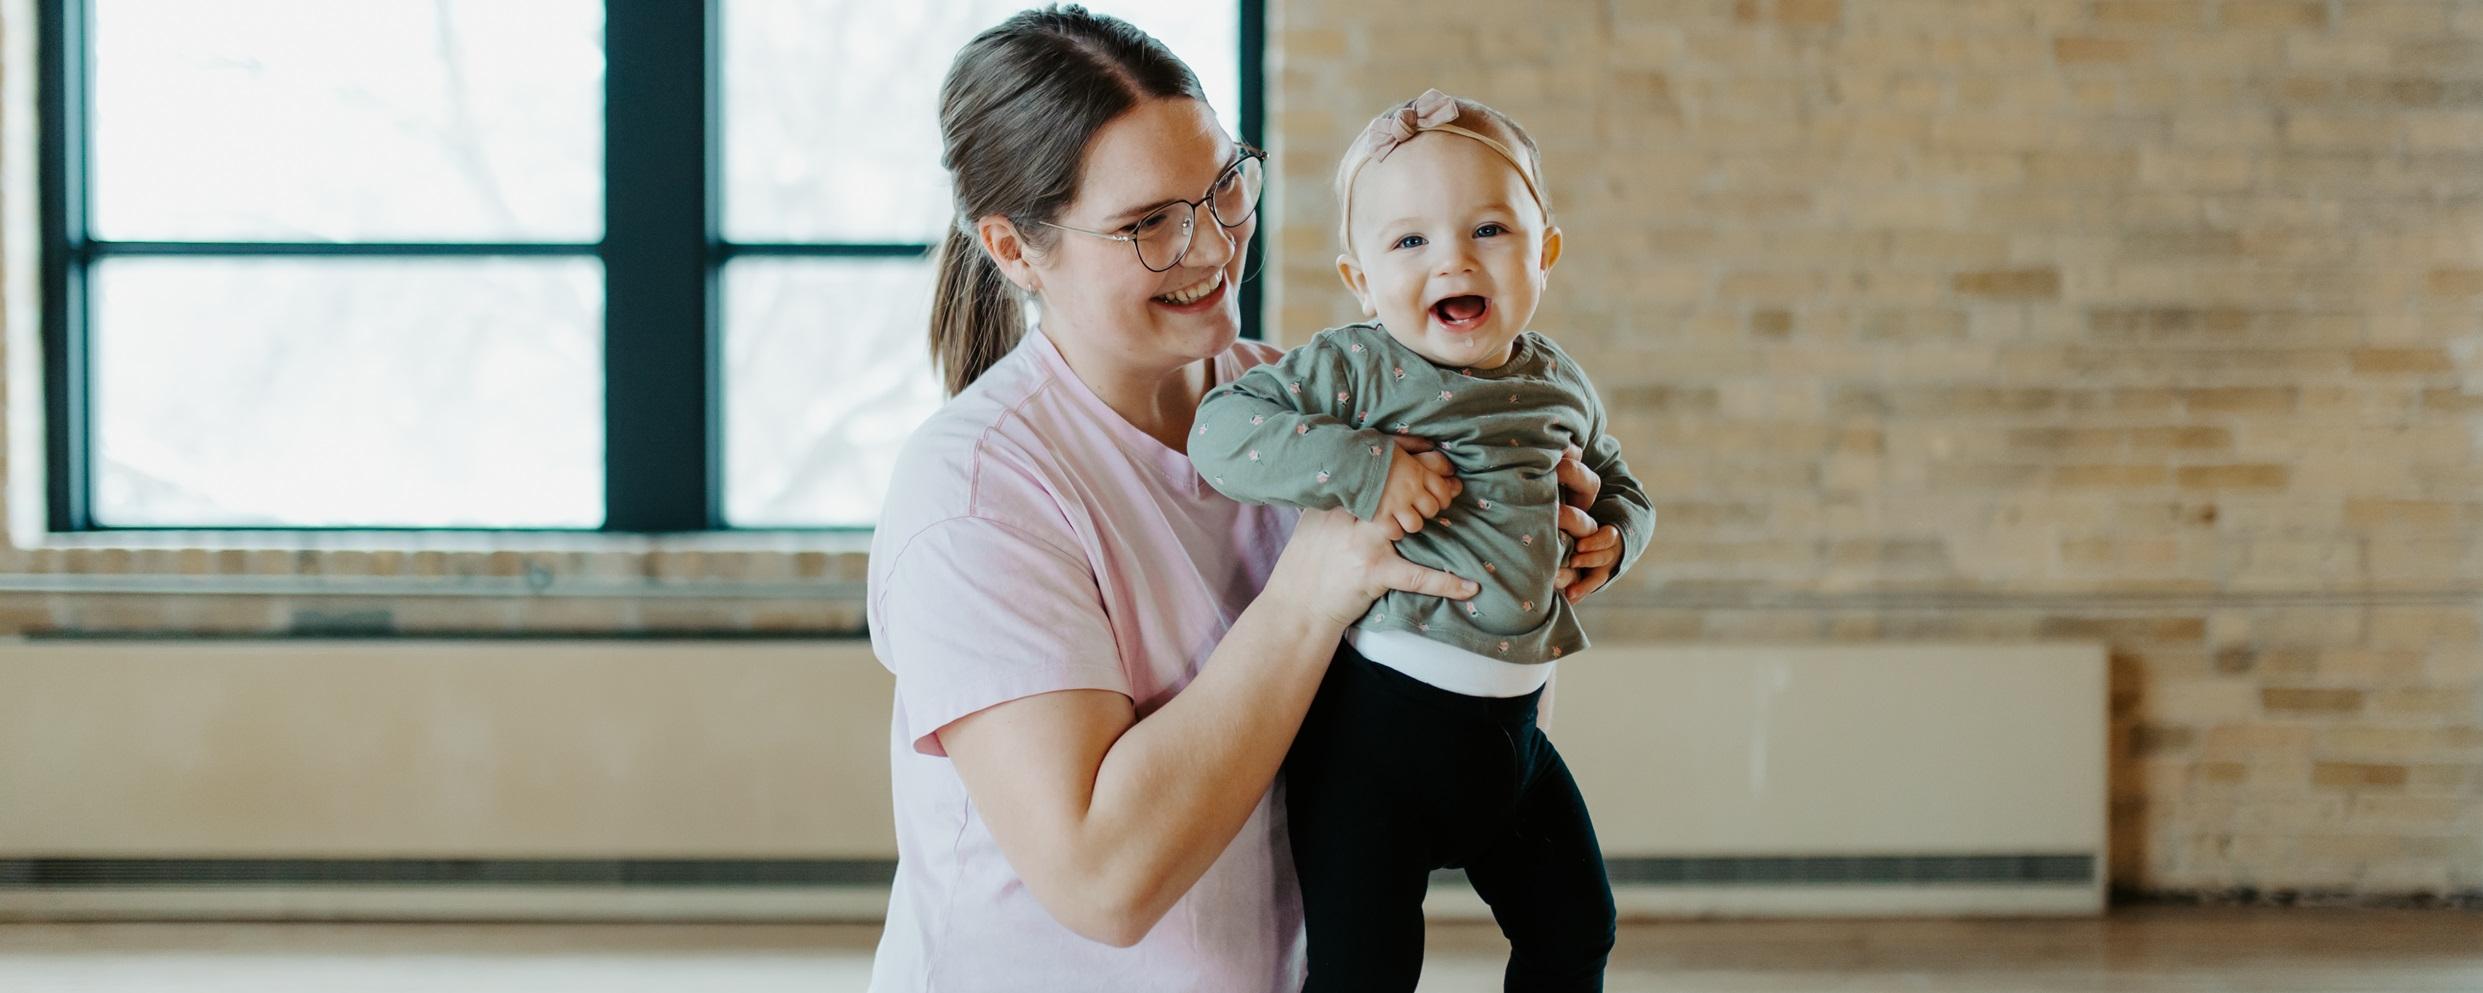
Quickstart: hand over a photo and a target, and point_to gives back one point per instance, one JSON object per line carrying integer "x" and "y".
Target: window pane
{"x": 826, "y": 371}
{"x": 372, "y": 120}
{"x": 831, "y": 107}
{"x": 342, "y": 392}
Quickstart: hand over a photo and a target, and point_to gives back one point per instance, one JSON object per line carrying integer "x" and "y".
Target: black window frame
{"x": 662, "y": 266}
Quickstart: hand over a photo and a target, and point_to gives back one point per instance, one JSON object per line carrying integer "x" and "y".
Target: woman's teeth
{"x": 1193, "y": 293}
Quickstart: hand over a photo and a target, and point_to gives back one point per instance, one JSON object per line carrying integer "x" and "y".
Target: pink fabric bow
{"x": 1389, "y": 130}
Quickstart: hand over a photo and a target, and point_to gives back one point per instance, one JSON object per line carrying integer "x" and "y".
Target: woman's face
{"x": 1095, "y": 292}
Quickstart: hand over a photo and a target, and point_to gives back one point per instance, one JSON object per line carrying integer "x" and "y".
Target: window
{"x": 632, "y": 266}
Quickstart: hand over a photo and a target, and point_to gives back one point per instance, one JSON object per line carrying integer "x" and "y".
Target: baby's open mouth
{"x": 1461, "y": 313}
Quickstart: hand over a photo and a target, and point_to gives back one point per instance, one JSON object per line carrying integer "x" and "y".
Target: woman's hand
{"x": 1335, "y": 566}
{"x": 1597, "y": 549}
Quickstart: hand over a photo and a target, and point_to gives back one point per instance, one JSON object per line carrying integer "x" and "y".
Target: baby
{"x": 1420, "y": 751}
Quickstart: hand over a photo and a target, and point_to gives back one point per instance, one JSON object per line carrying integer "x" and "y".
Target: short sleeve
{"x": 972, "y": 613}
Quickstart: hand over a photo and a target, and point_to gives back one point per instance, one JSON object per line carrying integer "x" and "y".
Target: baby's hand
{"x": 1418, "y": 487}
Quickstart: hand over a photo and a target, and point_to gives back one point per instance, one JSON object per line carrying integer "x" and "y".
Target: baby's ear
{"x": 1551, "y": 248}
{"x": 1358, "y": 282}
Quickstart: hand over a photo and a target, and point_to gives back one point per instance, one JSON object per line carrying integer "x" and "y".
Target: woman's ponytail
{"x": 975, "y": 314}
{"x": 1017, "y": 109}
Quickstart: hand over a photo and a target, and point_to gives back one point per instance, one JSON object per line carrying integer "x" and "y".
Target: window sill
{"x": 519, "y": 542}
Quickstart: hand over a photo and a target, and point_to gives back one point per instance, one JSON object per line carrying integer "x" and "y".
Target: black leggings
{"x": 1391, "y": 778}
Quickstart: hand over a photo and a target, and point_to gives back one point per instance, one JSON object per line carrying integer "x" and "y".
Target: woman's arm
{"x": 1110, "y": 819}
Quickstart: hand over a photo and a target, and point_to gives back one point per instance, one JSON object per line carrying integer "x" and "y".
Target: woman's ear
{"x": 1551, "y": 248}
{"x": 999, "y": 239}
{"x": 1356, "y": 281}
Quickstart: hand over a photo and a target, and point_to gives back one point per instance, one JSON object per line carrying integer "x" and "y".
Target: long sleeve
{"x": 1623, "y": 501}
{"x": 1285, "y": 433}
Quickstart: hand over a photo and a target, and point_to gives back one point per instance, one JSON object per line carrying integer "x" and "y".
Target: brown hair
{"x": 1019, "y": 105}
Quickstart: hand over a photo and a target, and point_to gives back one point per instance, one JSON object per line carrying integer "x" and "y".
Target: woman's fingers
{"x": 1579, "y": 484}
{"x": 1437, "y": 463}
{"x": 1575, "y": 523}
{"x": 1604, "y": 537}
{"x": 1587, "y": 582}
{"x": 1411, "y": 443}
{"x": 1399, "y": 574}
{"x": 1407, "y": 523}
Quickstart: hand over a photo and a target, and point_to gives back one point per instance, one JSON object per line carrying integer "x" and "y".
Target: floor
{"x": 2157, "y": 949}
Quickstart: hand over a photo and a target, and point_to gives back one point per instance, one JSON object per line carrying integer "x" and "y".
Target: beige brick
{"x": 2446, "y": 55}
{"x": 2034, "y": 284}
{"x": 2385, "y": 361}
{"x": 2433, "y": 703}
{"x": 2420, "y": 18}
{"x": 2432, "y": 778}
{"x": 2356, "y": 775}
{"x": 2454, "y": 283}
{"x": 2430, "y": 628}
{"x": 2362, "y": 666}
{"x": 1312, "y": 44}
{"x": 2240, "y": 400}
{"x": 2190, "y": 439}
{"x": 2399, "y": 743}
{"x": 2338, "y": 131}
{"x": 1807, "y": 12}
{"x": 2233, "y": 477}
{"x": 2434, "y": 514}
{"x": 2457, "y": 132}
{"x": 2110, "y": 476}
{"x": 2273, "y": 13}
{"x": 2255, "y": 741}
{"x": 2071, "y": 51}
{"x": 2067, "y": 438}
{"x": 2148, "y": 13}
{"x": 2219, "y": 773}
{"x": 2231, "y": 131}
{"x": 2311, "y": 701}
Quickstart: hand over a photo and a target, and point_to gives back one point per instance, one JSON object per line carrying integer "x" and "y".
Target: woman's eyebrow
{"x": 1134, "y": 213}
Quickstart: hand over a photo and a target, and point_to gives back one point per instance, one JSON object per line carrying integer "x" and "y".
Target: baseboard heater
{"x": 747, "y": 780}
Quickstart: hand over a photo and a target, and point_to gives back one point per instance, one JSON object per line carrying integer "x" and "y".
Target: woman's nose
{"x": 1211, "y": 243}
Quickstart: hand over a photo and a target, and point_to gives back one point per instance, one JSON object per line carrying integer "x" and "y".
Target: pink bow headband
{"x": 1432, "y": 111}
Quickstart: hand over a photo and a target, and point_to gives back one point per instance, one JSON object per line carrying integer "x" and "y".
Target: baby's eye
{"x": 1490, "y": 230}
{"x": 1409, "y": 241}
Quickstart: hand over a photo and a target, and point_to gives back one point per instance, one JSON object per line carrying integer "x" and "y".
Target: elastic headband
{"x": 1431, "y": 111}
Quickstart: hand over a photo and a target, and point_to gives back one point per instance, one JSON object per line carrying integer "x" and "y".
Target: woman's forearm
{"x": 1109, "y": 818}
{"x": 1176, "y": 787}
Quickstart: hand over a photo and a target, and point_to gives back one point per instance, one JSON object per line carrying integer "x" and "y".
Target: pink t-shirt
{"x": 1035, "y": 541}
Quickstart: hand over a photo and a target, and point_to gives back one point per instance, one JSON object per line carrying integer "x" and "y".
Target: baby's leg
{"x": 1362, "y": 878}
{"x": 1386, "y": 775}
{"x": 1545, "y": 879}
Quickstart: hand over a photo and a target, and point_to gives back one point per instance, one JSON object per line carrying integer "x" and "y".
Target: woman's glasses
{"x": 1162, "y": 238}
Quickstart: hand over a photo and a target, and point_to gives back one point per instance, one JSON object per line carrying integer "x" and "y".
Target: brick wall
{"x": 2148, "y": 321}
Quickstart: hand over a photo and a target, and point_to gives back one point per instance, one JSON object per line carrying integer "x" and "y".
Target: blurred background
{"x": 442, "y": 437}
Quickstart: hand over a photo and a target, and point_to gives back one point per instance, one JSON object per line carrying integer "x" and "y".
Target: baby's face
{"x": 1449, "y": 250}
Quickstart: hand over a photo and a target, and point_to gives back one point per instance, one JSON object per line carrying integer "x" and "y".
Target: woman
{"x": 1100, "y": 660}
